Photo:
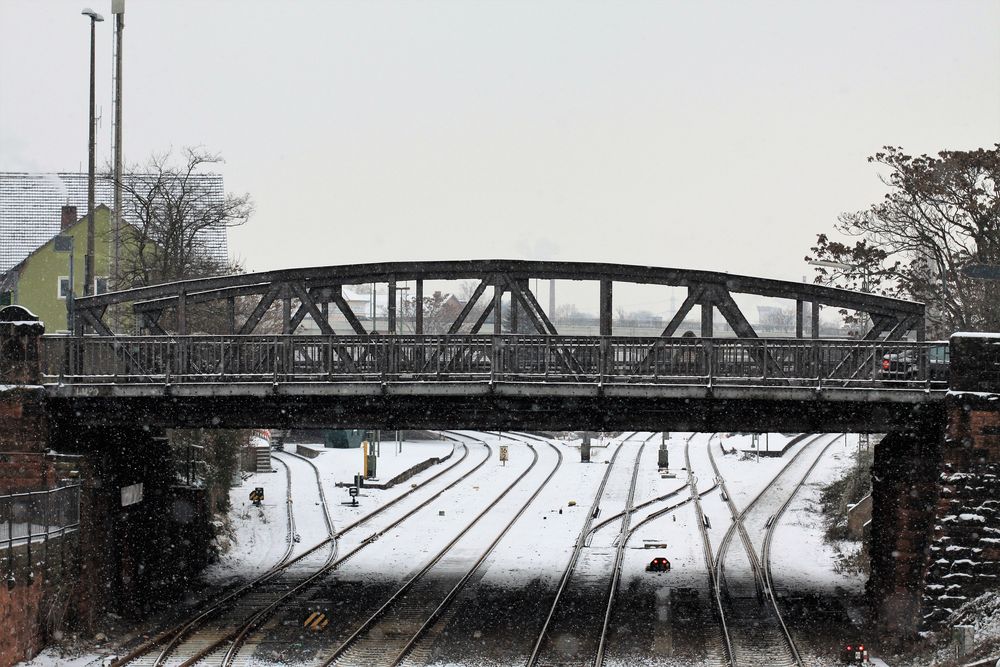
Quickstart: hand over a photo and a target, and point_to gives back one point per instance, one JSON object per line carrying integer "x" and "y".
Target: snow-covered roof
{"x": 31, "y": 206}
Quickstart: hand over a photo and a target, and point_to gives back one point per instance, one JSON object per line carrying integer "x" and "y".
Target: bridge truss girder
{"x": 310, "y": 292}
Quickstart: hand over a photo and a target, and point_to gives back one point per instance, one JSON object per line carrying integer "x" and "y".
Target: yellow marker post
{"x": 364, "y": 447}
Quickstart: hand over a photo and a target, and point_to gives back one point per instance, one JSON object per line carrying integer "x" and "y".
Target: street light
{"x": 88, "y": 260}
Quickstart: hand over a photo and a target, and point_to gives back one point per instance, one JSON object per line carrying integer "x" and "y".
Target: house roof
{"x": 31, "y": 204}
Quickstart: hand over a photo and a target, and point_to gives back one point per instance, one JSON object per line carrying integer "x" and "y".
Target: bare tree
{"x": 439, "y": 311}
{"x": 772, "y": 319}
{"x": 169, "y": 212}
{"x": 940, "y": 214}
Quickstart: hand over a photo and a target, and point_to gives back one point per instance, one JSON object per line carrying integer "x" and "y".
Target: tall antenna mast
{"x": 118, "y": 9}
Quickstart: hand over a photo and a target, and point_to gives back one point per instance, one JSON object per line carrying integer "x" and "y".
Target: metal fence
{"x": 507, "y": 357}
{"x": 36, "y": 516}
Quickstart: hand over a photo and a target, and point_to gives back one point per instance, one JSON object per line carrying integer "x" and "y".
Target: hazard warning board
{"x": 317, "y": 621}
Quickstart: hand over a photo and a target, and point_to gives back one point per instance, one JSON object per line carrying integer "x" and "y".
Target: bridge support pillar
{"x": 904, "y": 493}
{"x": 965, "y": 547}
{"x": 935, "y": 538}
{"x": 36, "y": 574}
{"x": 139, "y": 544}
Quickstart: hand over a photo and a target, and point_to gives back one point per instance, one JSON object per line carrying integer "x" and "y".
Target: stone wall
{"x": 965, "y": 550}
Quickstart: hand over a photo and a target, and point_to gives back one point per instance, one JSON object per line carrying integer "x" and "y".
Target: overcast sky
{"x": 707, "y": 135}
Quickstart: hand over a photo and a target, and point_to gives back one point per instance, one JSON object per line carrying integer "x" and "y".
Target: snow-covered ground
{"x": 534, "y": 553}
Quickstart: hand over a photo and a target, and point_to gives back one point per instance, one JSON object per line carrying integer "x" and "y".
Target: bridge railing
{"x": 507, "y": 357}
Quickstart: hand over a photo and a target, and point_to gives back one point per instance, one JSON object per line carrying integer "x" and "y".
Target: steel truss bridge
{"x": 523, "y": 367}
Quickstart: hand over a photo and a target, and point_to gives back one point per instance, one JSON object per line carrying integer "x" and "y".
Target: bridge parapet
{"x": 20, "y": 332}
{"x": 601, "y": 360}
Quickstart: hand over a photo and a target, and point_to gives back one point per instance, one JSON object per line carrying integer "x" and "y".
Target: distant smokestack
{"x": 68, "y": 217}
{"x": 552, "y": 299}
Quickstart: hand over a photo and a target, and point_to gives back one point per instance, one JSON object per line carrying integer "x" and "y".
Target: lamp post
{"x": 88, "y": 260}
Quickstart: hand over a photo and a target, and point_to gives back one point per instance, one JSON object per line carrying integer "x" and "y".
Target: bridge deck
{"x": 493, "y": 381}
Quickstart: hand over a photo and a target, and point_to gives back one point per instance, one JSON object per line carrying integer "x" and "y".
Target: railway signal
{"x": 503, "y": 454}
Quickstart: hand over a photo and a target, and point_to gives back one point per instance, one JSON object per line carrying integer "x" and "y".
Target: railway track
{"x": 622, "y": 644}
{"x": 208, "y": 641}
{"x": 772, "y": 523}
{"x": 228, "y": 640}
{"x": 159, "y": 650}
{"x": 724, "y": 640}
{"x": 587, "y": 577}
{"x": 750, "y": 617}
{"x": 238, "y": 641}
{"x": 145, "y": 653}
{"x": 402, "y": 630}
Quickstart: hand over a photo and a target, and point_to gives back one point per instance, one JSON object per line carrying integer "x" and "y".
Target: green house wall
{"x": 38, "y": 279}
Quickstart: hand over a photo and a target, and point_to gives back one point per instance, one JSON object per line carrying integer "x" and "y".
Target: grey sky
{"x": 717, "y": 136}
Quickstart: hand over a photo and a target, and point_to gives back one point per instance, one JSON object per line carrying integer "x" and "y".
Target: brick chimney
{"x": 68, "y": 217}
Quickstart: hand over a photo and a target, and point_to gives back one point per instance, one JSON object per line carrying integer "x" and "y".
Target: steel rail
{"x": 575, "y": 556}
{"x": 334, "y": 546}
{"x": 217, "y": 605}
{"x": 327, "y": 519}
{"x": 439, "y": 611}
{"x": 616, "y": 569}
{"x": 626, "y": 535}
{"x": 652, "y": 515}
{"x": 171, "y": 646}
{"x": 737, "y": 525}
{"x": 670, "y": 508}
{"x": 769, "y": 534}
{"x": 253, "y": 621}
{"x": 727, "y": 644}
{"x": 667, "y": 510}
{"x": 353, "y": 638}
{"x": 737, "y": 522}
{"x": 582, "y": 542}
{"x": 642, "y": 505}
{"x": 737, "y": 516}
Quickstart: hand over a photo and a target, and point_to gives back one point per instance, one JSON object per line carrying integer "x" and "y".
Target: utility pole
{"x": 118, "y": 9}
{"x": 88, "y": 260}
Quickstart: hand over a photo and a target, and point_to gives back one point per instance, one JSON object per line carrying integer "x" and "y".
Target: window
{"x": 100, "y": 284}
{"x": 6, "y": 298}
{"x": 63, "y": 287}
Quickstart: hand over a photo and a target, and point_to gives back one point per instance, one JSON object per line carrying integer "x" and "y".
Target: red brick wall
{"x": 20, "y": 610}
{"x": 23, "y": 423}
{"x": 35, "y": 604}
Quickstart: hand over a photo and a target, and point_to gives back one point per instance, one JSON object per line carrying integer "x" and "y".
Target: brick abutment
{"x": 116, "y": 558}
